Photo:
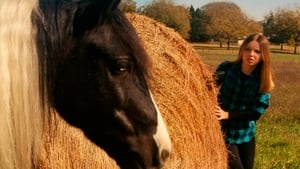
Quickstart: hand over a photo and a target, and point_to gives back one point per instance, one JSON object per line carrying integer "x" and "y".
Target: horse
{"x": 83, "y": 60}
{"x": 184, "y": 90}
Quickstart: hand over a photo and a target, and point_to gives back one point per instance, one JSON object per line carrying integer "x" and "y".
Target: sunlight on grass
{"x": 278, "y": 145}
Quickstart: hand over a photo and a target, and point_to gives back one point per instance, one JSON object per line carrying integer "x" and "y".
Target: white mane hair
{"x": 21, "y": 110}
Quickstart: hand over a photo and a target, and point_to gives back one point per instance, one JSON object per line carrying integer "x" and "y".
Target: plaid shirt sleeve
{"x": 262, "y": 103}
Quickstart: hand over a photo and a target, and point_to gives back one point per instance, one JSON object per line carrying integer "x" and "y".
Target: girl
{"x": 244, "y": 94}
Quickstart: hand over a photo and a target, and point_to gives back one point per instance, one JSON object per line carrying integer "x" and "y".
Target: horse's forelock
{"x": 118, "y": 27}
{"x": 128, "y": 35}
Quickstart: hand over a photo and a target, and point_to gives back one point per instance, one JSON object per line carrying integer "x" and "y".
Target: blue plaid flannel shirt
{"x": 239, "y": 94}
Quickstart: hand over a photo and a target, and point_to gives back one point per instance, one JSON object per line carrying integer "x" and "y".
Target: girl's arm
{"x": 256, "y": 110}
{"x": 244, "y": 115}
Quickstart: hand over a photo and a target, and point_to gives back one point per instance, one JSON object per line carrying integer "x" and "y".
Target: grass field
{"x": 278, "y": 132}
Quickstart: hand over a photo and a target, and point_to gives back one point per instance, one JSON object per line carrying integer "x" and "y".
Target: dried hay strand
{"x": 66, "y": 147}
{"x": 185, "y": 94}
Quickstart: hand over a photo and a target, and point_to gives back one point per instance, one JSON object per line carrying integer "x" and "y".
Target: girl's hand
{"x": 221, "y": 114}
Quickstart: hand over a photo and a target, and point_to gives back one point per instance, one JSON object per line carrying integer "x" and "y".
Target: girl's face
{"x": 251, "y": 55}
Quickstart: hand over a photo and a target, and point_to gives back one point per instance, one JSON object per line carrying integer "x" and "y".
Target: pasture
{"x": 278, "y": 132}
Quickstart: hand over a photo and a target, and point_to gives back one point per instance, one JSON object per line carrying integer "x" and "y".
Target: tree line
{"x": 223, "y": 22}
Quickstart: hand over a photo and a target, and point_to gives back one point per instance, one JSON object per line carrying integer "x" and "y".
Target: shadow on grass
{"x": 279, "y": 144}
{"x": 282, "y": 51}
{"x": 214, "y": 48}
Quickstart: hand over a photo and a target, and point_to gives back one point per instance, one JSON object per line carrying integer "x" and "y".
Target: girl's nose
{"x": 252, "y": 53}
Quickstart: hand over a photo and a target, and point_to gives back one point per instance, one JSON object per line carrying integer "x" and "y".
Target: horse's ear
{"x": 109, "y": 5}
{"x": 92, "y": 12}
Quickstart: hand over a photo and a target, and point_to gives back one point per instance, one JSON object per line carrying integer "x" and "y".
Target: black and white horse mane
{"x": 84, "y": 59}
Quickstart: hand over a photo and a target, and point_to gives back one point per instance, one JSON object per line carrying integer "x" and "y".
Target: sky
{"x": 255, "y": 9}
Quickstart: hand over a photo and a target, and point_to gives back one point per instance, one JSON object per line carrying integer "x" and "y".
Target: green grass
{"x": 278, "y": 131}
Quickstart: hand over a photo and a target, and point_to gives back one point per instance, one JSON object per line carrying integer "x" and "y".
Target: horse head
{"x": 94, "y": 71}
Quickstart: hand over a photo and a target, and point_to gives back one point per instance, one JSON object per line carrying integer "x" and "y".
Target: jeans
{"x": 241, "y": 156}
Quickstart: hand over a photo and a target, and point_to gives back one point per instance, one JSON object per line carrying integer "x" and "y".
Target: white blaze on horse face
{"x": 161, "y": 136}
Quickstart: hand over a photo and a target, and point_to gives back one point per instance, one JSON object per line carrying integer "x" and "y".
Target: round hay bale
{"x": 185, "y": 94}
{"x": 183, "y": 88}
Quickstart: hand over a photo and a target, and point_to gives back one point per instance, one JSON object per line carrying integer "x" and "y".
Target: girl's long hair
{"x": 266, "y": 82}
{"x": 21, "y": 120}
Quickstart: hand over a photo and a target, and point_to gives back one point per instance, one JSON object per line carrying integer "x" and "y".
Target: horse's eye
{"x": 122, "y": 65}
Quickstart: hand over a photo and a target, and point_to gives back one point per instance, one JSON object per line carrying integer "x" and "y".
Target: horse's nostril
{"x": 165, "y": 154}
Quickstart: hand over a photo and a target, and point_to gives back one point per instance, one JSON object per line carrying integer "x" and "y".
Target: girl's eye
{"x": 257, "y": 51}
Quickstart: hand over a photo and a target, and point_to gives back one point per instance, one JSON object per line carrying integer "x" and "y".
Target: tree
{"x": 196, "y": 33}
{"x": 128, "y": 6}
{"x": 283, "y": 26}
{"x": 226, "y": 21}
{"x": 173, "y": 16}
